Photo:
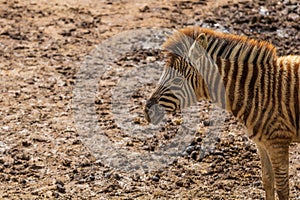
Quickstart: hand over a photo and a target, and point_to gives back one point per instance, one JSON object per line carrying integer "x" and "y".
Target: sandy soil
{"x": 43, "y": 45}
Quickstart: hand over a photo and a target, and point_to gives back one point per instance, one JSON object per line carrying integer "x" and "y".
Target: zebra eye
{"x": 177, "y": 81}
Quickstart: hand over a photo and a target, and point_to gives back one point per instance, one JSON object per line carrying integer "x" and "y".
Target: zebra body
{"x": 289, "y": 106}
{"x": 243, "y": 76}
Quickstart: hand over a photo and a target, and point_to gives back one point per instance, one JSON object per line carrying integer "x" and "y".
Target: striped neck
{"x": 240, "y": 65}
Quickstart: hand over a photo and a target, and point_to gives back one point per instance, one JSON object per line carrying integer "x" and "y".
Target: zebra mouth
{"x": 154, "y": 113}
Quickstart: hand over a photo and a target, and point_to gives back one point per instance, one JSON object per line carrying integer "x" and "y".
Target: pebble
{"x": 144, "y": 8}
{"x": 60, "y": 188}
{"x": 293, "y": 16}
{"x": 92, "y": 177}
{"x": 190, "y": 149}
{"x": 151, "y": 59}
{"x": 155, "y": 178}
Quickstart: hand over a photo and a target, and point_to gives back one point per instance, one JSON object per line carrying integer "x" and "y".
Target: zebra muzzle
{"x": 154, "y": 112}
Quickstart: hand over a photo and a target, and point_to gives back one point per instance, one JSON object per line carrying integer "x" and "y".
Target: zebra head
{"x": 181, "y": 83}
{"x": 172, "y": 93}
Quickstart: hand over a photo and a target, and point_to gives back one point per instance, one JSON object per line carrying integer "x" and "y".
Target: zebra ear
{"x": 197, "y": 49}
{"x": 202, "y": 40}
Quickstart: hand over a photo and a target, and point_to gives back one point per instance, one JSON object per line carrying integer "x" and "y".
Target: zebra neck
{"x": 236, "y": 86}
{"x": 239, "y": 68}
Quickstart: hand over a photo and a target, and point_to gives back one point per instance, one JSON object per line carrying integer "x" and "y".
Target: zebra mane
{"x": 178, "y": 44}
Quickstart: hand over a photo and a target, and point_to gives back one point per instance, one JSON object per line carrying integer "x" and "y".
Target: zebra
{"x": 244, "y": 76}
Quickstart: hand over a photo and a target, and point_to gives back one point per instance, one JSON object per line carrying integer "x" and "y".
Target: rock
{"x": 155, "y": 178}
{"x": 144, "y": 8}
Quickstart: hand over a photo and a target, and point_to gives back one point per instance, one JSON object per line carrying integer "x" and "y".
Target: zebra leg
{"x": 267, "y": 173}
{"x": 279, "y": 154}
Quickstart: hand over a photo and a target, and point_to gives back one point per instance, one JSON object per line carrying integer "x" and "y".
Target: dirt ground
{"x": 43, "y": 44}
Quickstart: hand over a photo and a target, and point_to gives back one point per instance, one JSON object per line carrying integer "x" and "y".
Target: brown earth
{"x": 43, "y": 44}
